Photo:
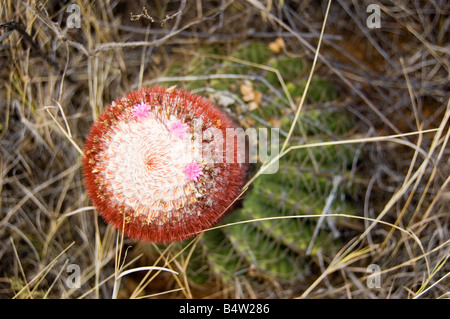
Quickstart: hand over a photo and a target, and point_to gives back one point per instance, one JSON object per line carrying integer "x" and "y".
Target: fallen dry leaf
{"x": 251, "y": 96}
{"x": 276, "y": 46}
{"x": 247, "y": 92}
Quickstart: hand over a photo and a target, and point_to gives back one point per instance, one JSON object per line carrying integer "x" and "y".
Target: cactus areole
{"x": 157, "y": 165}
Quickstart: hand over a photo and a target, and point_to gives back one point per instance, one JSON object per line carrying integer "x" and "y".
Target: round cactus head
{"x": 157, "y": 164}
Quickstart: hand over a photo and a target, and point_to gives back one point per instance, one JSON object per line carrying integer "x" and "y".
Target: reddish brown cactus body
{"x": 146, "y": 170}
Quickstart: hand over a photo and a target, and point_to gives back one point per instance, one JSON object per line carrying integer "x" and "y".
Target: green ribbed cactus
{"x": 304, "y": 183}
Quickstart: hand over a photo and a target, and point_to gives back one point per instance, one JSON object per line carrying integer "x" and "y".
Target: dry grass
{"x": 56, "y": 80}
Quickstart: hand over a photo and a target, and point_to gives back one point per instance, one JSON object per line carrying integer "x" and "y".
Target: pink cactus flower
{"x": 178, "y": 129}
{"x": 141, "y": 110}
{"x": 193, "y": 171}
